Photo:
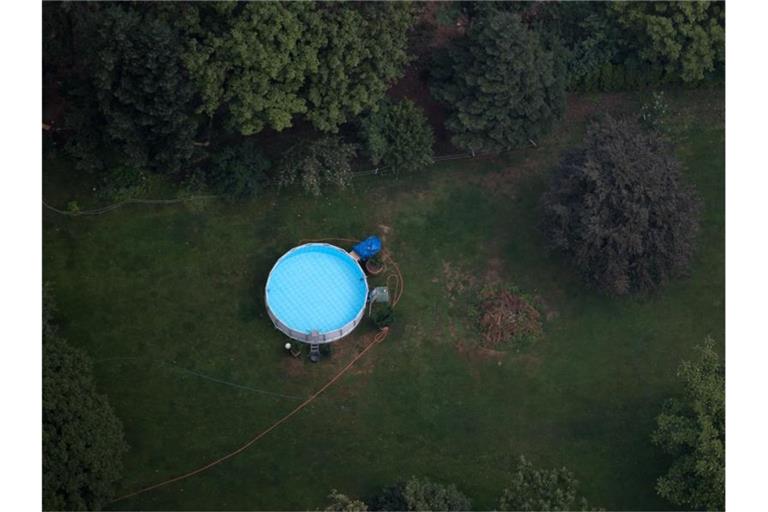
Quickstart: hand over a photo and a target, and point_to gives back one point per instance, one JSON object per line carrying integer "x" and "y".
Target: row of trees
{"x": 690, "y": 428}
{"x": 624, "y": 45}
{"x": 152, "y": 86}
{"x": 504, "y": 83}
{"x": 165, "y": 86}
{"x": 530, "y": 488}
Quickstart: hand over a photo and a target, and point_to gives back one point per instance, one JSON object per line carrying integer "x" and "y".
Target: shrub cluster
{"x": 398, "y": 136}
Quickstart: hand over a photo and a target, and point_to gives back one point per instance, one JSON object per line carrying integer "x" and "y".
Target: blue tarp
{"x": 368, "y": 248}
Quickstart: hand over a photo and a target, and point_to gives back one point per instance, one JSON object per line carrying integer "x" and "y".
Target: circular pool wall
{"x": 316, "y": 293}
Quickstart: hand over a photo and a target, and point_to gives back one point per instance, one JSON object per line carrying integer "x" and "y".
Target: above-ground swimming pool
{"x": 316, "y": 293}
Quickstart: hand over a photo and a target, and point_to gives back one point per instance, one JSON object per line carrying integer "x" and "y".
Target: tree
{"x": 686, "y": 39}
{"x": 266, "y": 62}
{"x": 619, "y": 208}
{"x": 317, "y": 164}
{"x": 398, "y": 136}
{"x": 362, "y": 50}
{"x": 250, "y": 58}
{"x": 83, "y": 441}
{"x": 692, "y": 429}
{"x": 583, "y": 32}
{"x": 502, "y": 87}
{"x": 421, "y": 494}
{"x": 239, "y": 170}
{"x": 541, "y": 489}
{"x": 343, "y": 503}
{"x": 139, "y": 88}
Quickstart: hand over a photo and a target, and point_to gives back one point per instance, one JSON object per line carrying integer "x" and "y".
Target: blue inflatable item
{"x": 368, "y": 248}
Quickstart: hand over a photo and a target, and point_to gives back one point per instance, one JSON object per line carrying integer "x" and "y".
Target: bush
{"x": 398, "y": 136}
{"x": 324, "y": 162}
{"x": 619, "y": 208}
{"x": 122, "y": 182}
{"x": 541, "y": 489}
{"x": 238, "y": 171}
{"x": 692, "y": 429}
{"x": 421, "y": 494}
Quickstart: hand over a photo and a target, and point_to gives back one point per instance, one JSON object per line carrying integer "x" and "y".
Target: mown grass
{"x": 145, "y": 288}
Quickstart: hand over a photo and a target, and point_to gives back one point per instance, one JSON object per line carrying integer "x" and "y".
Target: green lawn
{"x": 153, "y": 293}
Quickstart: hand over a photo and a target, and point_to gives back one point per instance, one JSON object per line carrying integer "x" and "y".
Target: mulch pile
{"x": 506, "y": 317}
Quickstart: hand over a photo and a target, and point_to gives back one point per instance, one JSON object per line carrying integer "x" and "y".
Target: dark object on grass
{"x": 382, "y": 314}
{"x": 619, "y": 207}
{"x": 314, "y": 352}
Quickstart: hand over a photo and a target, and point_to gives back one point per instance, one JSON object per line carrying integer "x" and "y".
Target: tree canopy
{"x": 131, "y": 97}
{"x": 692, "y": 429}
{"x": 362, "y": 52}
{"x": 398, "y": 136}
{"x": 266, "y": 62}
{"x": 532, "y": 488}
{"x": 502, "y": 86}
{"x": 251, "y": 59}
{"x": 342, "y": 503}
{"x": 142, "y": 80}
{"x": 83, "y": 441}
{"x": 687, "y": 39}
{"x": 421, "y": 494}
{"x": 619, "y": 207}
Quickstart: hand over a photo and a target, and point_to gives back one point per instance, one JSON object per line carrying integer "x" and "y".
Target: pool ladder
{"x": 314, "y": 352}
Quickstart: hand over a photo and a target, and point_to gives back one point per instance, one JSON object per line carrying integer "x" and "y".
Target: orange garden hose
{"x": 378, "y": 338}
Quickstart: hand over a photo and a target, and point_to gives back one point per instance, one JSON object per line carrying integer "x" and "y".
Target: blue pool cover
{"x": 316, "y": 293}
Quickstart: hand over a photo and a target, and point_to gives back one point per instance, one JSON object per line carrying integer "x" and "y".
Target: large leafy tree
{"x": 251, "y": 59}
{"x": 130, "y": 94}
{"x": 362, "y": 50}
{"x": 83, "y": 440}
{"x": 686, "y": 39}
{"x": 691, "y": 428}
{"x": 421, "y": 494}
{"x": 620, "y": 209}
{"x": 532, "y": 488}
{"x": 398, "y": 136}
{"x": 502, "y": 86}
{"x": 267, "y": 62}
{"x": 142, "y": 88}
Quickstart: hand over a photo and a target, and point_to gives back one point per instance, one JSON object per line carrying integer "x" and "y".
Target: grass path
{"x": 183, "y": 283}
